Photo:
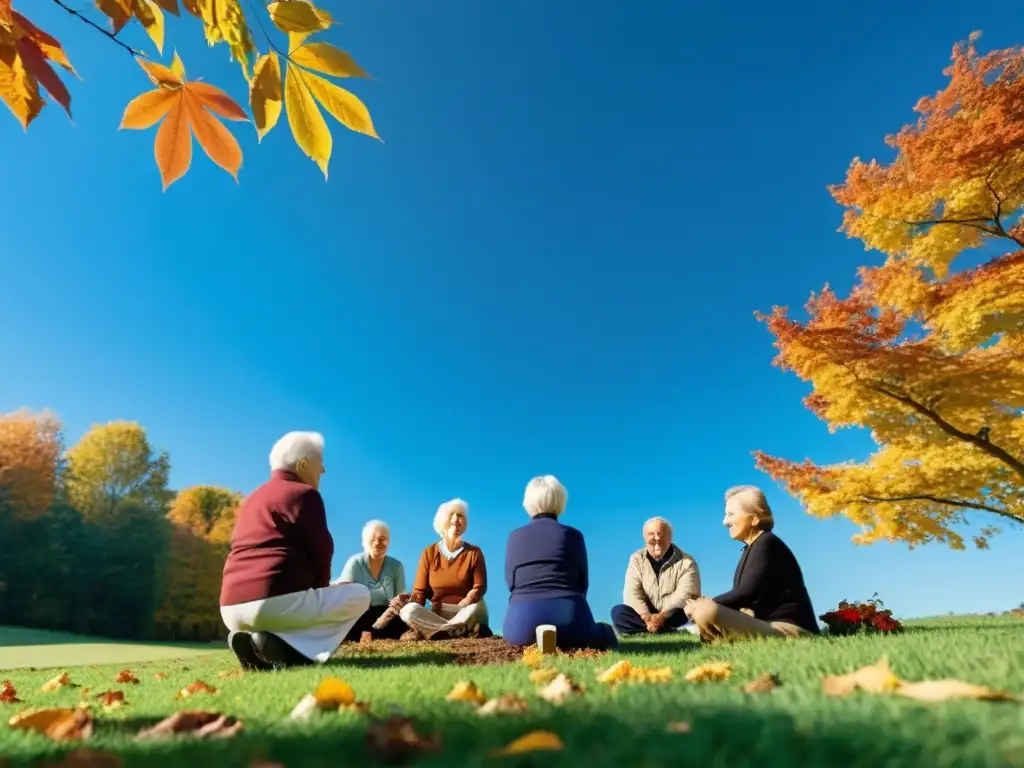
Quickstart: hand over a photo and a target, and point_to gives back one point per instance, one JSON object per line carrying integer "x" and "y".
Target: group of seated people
{"x": 282, "y": 608}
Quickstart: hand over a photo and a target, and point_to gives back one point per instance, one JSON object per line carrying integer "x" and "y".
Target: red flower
{"x": 849, "y": 615}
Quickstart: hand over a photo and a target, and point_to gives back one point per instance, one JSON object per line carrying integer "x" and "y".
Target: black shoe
{"x": 483, "y": 631}
{"x": 276, "y": 651}
{"x": 242, "y": 645}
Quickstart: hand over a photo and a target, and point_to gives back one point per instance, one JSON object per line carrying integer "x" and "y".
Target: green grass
{"x": 625, "y": 726}
{"x": 20, "y": 648}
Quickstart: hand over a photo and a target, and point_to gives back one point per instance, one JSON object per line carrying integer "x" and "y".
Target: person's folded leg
{"x": 627, "y": 621}
{"x": 717, "y": 621}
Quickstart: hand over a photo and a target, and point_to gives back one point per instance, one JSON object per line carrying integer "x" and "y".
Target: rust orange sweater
{"x": 449, "y": 581}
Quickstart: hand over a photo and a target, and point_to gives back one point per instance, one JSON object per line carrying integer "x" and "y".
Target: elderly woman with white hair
{"x": 384, "y": 576}
{"x": 452, "y": 575}
{"x": 547, "y": 572}
{"x": 768, "y": 595}
{"x": 276, "y": 596}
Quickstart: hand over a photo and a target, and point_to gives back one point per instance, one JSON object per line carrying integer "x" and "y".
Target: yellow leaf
{"x": 265, "y": 94}
{"x": 947, "y": 690}
{"x": 324, "y": 57}
{"x": 152, "y": 18}
{"x": 507, "y": 703}
{"x": 466, "y": 691}
{"x": 296, "y": 39}
{"x": 333, "y": 693}
{"x": 224, "y": 22}
{"x": 539, "y": 676}
{"x": 342, "y": 105}
{"x": 617, "y": 672}
{"x": 532, "y": 657}
{"x": 147, "y": 109}
{"x": 59, "y": 724}
{"x": 18, "y": 90}
{"x": 308, "y": 126}
{"x": 559, "y": 689}
{"x": 875, "y": 678}
{"x": 712, "y": 671}
{"x": 60, "y": 681}
{"x": 178, "y": 67}
{"x": 298, "y": 16}
{"x": 534, "y": 741}
{"x": 160, "y": 75}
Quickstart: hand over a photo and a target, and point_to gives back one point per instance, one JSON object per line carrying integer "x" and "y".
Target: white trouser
{"x": 427, "y": 623}
{"x": 313, "y": 622}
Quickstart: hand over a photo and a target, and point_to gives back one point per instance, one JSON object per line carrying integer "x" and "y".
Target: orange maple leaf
{"x": 25, "y": 53}
{"x": 186, "y": 108}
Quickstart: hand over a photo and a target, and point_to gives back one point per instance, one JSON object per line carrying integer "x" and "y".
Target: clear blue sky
{"x": 550, "y": 266}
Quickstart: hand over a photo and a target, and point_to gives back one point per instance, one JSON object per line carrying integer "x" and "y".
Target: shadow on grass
{"x": 757, "y": 734}
{"x": 366, "y": 661}
{"x": 657, "y": 646}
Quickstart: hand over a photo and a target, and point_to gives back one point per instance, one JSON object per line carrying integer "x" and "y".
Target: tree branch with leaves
{"x": 294, "y": 78}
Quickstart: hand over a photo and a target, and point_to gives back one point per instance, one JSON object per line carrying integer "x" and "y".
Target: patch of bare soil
{"x": 465, "y": 652}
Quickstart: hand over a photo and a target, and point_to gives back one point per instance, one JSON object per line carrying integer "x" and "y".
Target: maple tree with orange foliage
{"x": 29, "y": 55}
{"x": 929, "y": 358}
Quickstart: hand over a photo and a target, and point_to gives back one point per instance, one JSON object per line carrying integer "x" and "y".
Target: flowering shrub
{"x": 851, "y": 618}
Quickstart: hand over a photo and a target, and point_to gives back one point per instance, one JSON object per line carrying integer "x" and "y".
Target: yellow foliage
{"x": 712, "y": 671}
{"x": 30, "y": 447}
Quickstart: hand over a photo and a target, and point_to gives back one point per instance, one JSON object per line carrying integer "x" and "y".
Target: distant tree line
{"x": 95, "y": 542}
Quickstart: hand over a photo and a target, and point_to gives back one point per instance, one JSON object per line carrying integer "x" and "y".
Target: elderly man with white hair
{"x": 384, "y": 576}
{"x": 452, "y": 575}
{"x": 547, "y": 572}
{"x": 660, "y": 579}
{"x": 276, "y": 596}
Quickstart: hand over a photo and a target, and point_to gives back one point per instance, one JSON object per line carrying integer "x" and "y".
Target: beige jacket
{"x": 678, "y": 582}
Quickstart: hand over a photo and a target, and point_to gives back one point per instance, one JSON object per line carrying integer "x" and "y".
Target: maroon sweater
{"x": 281, "y": 543}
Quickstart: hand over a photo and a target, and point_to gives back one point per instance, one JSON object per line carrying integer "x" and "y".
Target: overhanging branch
{"x": 950, "y": 502}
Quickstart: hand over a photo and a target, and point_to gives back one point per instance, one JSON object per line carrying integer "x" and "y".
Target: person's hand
{"x": 657, "y": 622}
{"x": 466, "y": 601}
{"x": 688, "y": 606}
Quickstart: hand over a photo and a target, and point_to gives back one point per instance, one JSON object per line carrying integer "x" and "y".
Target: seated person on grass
{"x": 548, "y": 575}
{"x": 384, "y": 576}
{"x": 276, "y": 596}
{"x": 660, "y": 579}
{"x": 452, "y": 575}
{"x": 768, "y": 595}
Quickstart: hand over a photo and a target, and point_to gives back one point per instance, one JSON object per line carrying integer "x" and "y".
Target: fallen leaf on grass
{"x": 507, "y": 703}
{"x": 159, "y": 675}
{"x": 88, "y": 758}
{"x": 539, "y": 676}
{"x": 874, "y": 678}
{"x": 332, "y": 693}
{"x": 305, "y": 708}
{"x": 395, "y": 740}
{"x": 197, "y": 686}
{"x": 947, "y": 690}
{"x": 466, "y": 691}
{"x": 762, "y": 683}
{"x": 234, "y": 674}
{"x": 9, "y": 694}
{"x": 559, "y": 689}
{"x": 534, "y": 741}
{"x": 712, "y": 671}
{"x": 532, "y": 657}
{"x": 126, "y": 676}
{"x": 198, "y": 723}
{"x": 63, "y": 680}
{"x": 679, "y": 726}
{"x": 59, "y": 723}
{"x": 112, "y": 699}
{"x": 623, "y": 671}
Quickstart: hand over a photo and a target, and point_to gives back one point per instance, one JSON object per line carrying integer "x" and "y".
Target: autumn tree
{"x": 928, "y": 356}
{"x": 114, "y": 462}
{"x": 30, "y": 448}
{"x": 290, "y": 74}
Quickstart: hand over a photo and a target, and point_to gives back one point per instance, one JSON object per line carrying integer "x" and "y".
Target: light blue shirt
{"x": 385, "y": 587}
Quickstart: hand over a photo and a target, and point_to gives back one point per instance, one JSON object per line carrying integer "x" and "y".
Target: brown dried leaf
{"x": 58, "y": 723}
{"x": 395, "y": 740}
{"x": 198, "y": 723}
{"x": 762, "y": 683}
{"x": 534, "y": 741}
{"x": 195, "y": 687}
{"x": 88, "y": 758}
{"x": 874, "y": 678}
{"x": 507, "y": 703}
{"x": 159, "y": 675}
{"x": 712, "y": 671}
{"x": 559, "y": 689}
{"x": 112, "y": 699}
{"x": 9, "y": 694}
{"x": 466, "y": 691}
{"x": 126, "y": 676}
{"x": 679, "y": 726}
{"x": 63, "y": 680}
{"x": 947, "y": 690}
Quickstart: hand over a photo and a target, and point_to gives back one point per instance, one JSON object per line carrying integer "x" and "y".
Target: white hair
{"x": 369, "y": 529}
{"x": 444, "y": 514}
{"x": 545, "y": 496}
{"x": 754, "y": 502}
{"x": 663, "y": 521}
{"x": 295, "y": 446}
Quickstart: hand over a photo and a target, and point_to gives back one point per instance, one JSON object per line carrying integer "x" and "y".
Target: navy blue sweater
{"x": 545, "y": 559}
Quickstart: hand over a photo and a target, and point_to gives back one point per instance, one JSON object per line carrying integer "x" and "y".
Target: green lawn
{"x": 624, "y": 726}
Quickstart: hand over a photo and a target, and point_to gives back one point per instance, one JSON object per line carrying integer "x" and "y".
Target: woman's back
{"x": 546, "y": 559}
